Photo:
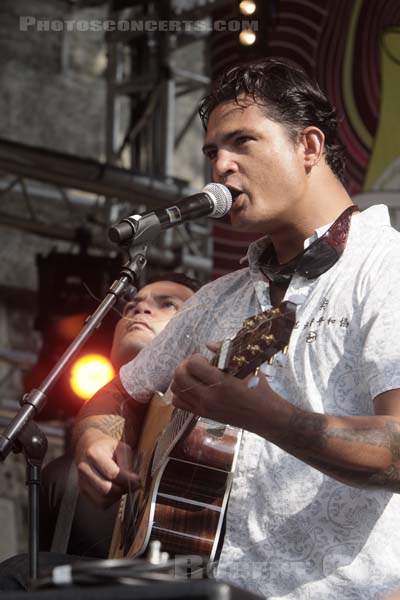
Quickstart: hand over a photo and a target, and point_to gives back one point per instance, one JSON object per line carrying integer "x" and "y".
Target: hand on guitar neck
{"x": 219, "y": 394}
{"x": 204, "y": 390}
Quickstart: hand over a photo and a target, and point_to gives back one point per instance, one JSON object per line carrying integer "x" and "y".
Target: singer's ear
{"x": 313, "y": 144}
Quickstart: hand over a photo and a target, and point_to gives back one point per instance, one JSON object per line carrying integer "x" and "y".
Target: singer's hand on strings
{"x": 104, "y": 468}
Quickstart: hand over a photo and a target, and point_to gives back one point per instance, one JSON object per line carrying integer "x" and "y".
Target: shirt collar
{"x": 256, "y": 248}
{"x": 376, "y": 215}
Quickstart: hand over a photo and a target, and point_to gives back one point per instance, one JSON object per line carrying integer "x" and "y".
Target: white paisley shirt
{"x": 293, "y": 532}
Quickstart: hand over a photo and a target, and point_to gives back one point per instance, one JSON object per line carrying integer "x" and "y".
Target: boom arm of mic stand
{"x": 22, "y": 434}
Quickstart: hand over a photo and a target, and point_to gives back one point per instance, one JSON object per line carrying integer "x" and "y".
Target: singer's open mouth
{"x": 235, "y": 192}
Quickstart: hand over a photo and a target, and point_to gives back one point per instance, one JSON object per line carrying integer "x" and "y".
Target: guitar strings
{"x": 178, "y": 424}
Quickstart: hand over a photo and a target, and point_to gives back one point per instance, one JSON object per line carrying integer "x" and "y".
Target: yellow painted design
{"x": 348, "y": 97}
{"x": 387, "y": 140}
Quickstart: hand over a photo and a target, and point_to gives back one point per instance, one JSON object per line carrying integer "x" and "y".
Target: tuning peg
{"x": 238, "y": 361}
{"x": 264, "y": 368}
{"x": 254, "y": 379}
{"x": 268, "y": 338}
{"x": 271, "y": 360}
{"x": 285, "y": 349}
{"x": 253, "y": 349}
{"x": 249, "y": 323}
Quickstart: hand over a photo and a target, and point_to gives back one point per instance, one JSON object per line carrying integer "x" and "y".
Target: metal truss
{"x": 62, "y": 197}
{"x": 143, "y": 84}
{"x": 142, "y": 87}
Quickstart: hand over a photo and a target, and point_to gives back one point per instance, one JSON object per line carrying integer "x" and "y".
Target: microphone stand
{"x": 23, "y": 434}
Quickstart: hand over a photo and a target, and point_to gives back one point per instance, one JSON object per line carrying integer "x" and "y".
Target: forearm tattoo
{"x": 109, "y": 412}
{"x": 311, "y": 438}
{"x": 112, "y": 425}
{"x": 306, "y": 430}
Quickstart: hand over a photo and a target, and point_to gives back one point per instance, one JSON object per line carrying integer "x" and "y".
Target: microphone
{"x": 214, "y": 200}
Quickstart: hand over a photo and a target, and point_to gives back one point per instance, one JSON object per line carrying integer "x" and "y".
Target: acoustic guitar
{"x": 186, "y": 463}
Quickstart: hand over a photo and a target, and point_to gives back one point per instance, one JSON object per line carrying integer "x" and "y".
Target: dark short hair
{"x": 189, "y": 282}
{"x": 288, "y": 96}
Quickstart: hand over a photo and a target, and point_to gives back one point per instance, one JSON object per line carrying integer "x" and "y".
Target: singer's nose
{"x": 142, "y": 307}
{"x": 223, "y": 165}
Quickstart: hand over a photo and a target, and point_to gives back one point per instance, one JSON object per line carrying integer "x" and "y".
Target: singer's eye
{"x": 242, "y": 139}
{"x": 128, "y": 308}
{"x": 211, "y": 154}
{"x": 169, "y": 304}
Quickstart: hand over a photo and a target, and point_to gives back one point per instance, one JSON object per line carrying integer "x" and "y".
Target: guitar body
{"x": 183, "y": 500}
{"x": 186, "y": 464}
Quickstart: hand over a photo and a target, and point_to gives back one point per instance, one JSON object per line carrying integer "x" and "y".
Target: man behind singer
{"x": 143, "y": 317}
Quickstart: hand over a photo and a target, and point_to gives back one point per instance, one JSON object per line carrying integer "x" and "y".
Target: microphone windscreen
{"x": 221, "y": 197}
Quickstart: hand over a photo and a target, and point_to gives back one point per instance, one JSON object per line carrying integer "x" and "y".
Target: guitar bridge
{"x": 224, "y": 355}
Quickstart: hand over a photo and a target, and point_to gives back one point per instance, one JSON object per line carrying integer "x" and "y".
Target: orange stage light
{"x": 89, "y": 373}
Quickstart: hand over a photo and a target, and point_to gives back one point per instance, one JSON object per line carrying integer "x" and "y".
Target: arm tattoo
{"x": 310, "y": 438}
{"x": 394, "y": 436}
{"x": 112, "y": 425}
{"x": 110, "y": 412}
{"x": 306, "y": 430}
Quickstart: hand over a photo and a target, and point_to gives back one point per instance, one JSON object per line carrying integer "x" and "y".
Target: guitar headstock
{"x": 259, "y": 339}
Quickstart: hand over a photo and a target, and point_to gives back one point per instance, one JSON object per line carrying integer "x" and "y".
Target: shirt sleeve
{"x": 153, "y": 368}
{"x": 380, "y": 328}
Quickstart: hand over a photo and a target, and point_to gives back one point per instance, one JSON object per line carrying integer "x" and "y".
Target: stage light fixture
{"x": 247, "y": 37}
{"x": 247, "y": 7}
{"x": 70, "y": 288}
{"x": 89, "y": 373}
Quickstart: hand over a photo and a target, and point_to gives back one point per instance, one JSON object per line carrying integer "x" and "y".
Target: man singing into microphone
{"x": 313, "y": 511}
